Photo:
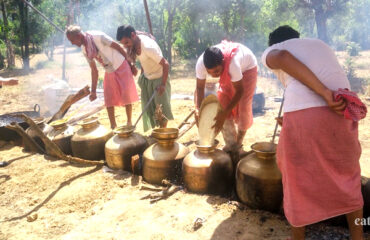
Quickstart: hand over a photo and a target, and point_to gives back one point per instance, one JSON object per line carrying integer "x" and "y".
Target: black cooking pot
{"x": 6, "y": 119}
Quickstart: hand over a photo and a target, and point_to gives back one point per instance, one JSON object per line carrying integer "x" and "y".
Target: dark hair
{"x": 124, "y": 31}
{"x": 212, "y": 57}
{"x": 282, "y": 34}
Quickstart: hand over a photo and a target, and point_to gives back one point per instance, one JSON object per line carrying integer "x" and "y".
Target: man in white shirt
{"x": 119, "y": 85}
{"x": 318, "y": 151}
{"x": 154, "y": 72}
{"x": 236, "y": 67}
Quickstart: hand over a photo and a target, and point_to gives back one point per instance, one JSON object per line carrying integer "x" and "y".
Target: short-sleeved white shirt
{"x": 243, "y": 60}
{"x": 150, "y": 57}
{"x": 321, "y": 60}
{"x": 111, "y": 58}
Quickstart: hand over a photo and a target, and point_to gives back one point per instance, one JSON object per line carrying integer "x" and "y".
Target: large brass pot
{"x": 89, "y": 141}
{"x": 61, "y": 135}
{"x": 258, "y": 179}
{"x": 208, "y": 170}
{"x": 163, "y": 160}
{"x": 45, "y": 128}
{"x": 122, "y": 146}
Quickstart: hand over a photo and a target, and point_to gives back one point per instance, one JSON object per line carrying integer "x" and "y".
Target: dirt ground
{"x": 43, "y": 198}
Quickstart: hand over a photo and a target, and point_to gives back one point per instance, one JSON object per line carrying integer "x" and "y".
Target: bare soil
{"x": 43, "y": 198}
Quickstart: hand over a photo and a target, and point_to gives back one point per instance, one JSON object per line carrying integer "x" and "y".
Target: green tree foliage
{"x": 186, "y": 27}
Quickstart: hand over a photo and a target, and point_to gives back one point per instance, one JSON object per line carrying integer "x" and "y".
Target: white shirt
{"x": 242, "y": 61}
{"x": 321, "y": 60}
{"x": 111, "y": 58}
{"x": 150, "y": 57}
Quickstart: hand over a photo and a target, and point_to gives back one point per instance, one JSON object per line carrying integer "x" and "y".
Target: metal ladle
{"x": 130, "y": 129}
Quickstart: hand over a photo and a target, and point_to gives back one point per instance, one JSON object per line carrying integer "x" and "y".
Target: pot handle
{"x": 36, "y": 108}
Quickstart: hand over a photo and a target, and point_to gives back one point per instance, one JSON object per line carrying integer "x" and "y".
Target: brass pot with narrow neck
{"x": 163, "y": 160}
{"x": 44, "y": 127}
{"x": 89, "y": 141}
{"x": 61, "y": 135}
{"x": 208, "y": 170}
{"x": 258, "y": 178}
{"x": 122, "y": 146}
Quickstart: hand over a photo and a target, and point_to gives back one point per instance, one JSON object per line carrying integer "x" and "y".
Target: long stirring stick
{"x": 146, "y": 106}
{"x": 277, "y": 123}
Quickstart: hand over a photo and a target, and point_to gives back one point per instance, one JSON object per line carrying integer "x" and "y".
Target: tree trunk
{"x": 169, "y": 38}
{"x": 172, "y": 5}
{"x": 9, "y": 48}
{"x": 320, "y": 18}
{"x": 23, "y": 12}
{"x": 2, "y": 62}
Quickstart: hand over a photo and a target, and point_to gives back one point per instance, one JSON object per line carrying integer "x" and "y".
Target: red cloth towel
{"x": 91, "y": 49}
{"x": 355, "y": 110}
{"x": 226, "y": 90}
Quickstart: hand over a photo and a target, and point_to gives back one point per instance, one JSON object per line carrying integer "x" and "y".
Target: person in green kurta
{"x": 154, "y": 72}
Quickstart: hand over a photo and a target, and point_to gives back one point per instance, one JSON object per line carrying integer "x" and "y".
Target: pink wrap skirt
{"x": 318, "y": 155}
{"x": 244, "y": 117}
{"x": 119, "y": 87}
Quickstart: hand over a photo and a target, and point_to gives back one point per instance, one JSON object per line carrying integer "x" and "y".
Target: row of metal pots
{"x": 87, "y": 143}
{"x": 204, "y": 170}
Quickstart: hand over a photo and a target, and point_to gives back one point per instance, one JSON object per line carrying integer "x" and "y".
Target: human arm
{"x": 285, "y": 61}
{"x": 120, "y": 49}
{"x": 222, "y": 115}
{"x": 94, "y": 79}
{"x": 166, "y": 68}
{"x": 8, "y": 81}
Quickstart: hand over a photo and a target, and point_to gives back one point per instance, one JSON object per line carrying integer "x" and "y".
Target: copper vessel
{"x": 258, "y": 179}
{"x": 122, "y": 146}
{"x": 89, "y": 141}
{"x": 208, "y": 170}
{"x": 45, "y": 128}
{"x": 61, "y": 135}
{"x": 163, "y": 160}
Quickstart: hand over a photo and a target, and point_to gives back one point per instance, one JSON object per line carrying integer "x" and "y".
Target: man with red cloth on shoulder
{"x": 236, "y": 66}
{"x": 119, "y": 85}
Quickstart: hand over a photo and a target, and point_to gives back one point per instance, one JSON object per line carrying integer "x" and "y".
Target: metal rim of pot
{"x": 90, "y": 122}
{"x": 264, "y": 150}
{"x": 124, "y": 131}
{"x": 207, "y": 148}
{"x": 165, "y": 133}
{"x": 59, "y": 124}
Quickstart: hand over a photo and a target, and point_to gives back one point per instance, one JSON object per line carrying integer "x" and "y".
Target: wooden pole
{"x": 64, "y": 57}
{"x": 148, "y": 17}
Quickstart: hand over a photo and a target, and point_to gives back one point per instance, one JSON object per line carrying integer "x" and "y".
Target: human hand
{"x": 336, "y": 106}
{"x": 196, "y": 116}
{"x": 12, "y": 82}
{"x": 220, "y": 120}
{"x": 92, "y": 96}
{"x": 134, "y": 70}
{"x": 161, "y": 88}
{"x": 279, "y": 120}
